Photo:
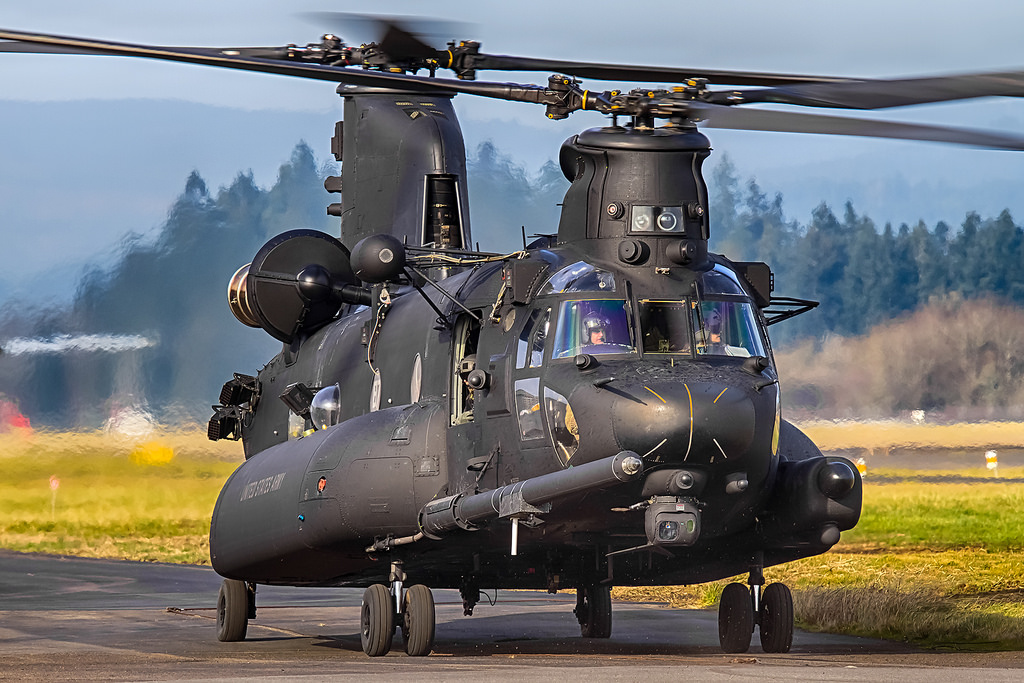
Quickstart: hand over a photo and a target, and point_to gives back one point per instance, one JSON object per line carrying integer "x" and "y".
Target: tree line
{"x": 862, "y": 273}
{"x": 173, "y": 290}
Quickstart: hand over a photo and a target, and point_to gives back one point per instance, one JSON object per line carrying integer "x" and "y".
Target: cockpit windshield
{"x": 593, "y": 326}
{"x": 726, "y": 328}
{"x": 665, "y": 326}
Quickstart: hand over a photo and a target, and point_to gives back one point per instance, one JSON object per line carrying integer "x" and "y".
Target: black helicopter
{"x": 599, "y": 408}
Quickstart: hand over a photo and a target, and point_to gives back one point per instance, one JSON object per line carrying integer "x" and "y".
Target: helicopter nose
{"x": 685, "y": 422}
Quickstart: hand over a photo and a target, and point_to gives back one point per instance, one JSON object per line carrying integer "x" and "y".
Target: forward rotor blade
{"x": 883, "y": 94}
{"x": 651, "y": 74}
{"x": 718, "y": 116}
{"x": 409, "y": 37}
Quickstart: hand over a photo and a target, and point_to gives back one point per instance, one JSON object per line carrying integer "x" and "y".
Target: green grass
{"x": 941, "y": 516}
{"x": 940, "y": 565}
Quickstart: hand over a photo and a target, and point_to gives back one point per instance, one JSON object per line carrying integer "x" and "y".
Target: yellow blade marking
{"x": 690, "y": 444}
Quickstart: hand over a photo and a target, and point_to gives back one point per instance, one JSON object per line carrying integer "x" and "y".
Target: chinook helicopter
{"x": 599, "y": 408}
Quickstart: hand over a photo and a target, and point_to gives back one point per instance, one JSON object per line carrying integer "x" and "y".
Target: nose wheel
{"x": 742, "y": 607}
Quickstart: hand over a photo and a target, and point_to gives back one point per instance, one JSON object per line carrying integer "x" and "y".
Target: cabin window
{"x": 528, "y": 408}
{"x": 579, "y": 277}
{"x": 726, "y": 328}
{"x": 593, "y": 326}
{"x": 565, "y": 432}
{"x": 530, "y": 346}
{"x": 466, "y": 336}
{"x": 665, "y": 326}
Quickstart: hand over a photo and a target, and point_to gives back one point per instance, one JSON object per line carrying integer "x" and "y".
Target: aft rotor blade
{"x": 34, "y": 48}
{"x": 37, "y": 48}
{"x": 401, "y": 37}
{"x": 718, "y": 116}
{"x": 883, "y": 94}
{"x": 231, "y": 58}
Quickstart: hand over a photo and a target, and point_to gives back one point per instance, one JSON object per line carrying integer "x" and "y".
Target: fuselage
{"x": 683, "y": 377}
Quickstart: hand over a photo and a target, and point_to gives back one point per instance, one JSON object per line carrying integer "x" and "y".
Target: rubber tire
{"x": 418, "y": 621}
{"x": 776, "y": 618}
{"x": 596, "y": 620}
{"x": 735, "y": 618}
{"x": 232, "y": 611}
{"x": 376, "y": 621}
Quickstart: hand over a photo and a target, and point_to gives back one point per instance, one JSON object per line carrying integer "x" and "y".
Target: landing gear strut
{"x": 383, "y": 610}
{"x": 594, "y": 610}
{"x": 741, "y": 608}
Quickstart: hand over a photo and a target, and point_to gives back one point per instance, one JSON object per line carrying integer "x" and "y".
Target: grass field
{"x": 938, "y": 564}
{"x": 148, "y": 500}
{"x": 884, "y": 435}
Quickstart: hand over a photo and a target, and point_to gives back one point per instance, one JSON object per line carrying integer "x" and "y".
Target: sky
{"x": 80, "y": 168}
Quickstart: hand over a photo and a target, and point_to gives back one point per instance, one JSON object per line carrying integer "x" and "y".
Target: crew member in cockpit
{"x": 713, "y": 323}
{"x": 596, "y": 330}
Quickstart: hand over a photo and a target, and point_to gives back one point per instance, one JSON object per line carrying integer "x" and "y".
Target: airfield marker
{"x": 992, "y": 462}
{"x": 54, "y": 485}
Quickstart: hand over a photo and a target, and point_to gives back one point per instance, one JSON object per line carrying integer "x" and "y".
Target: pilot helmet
{"x": 594, "y": 323}
{"x": 714, "y": 320}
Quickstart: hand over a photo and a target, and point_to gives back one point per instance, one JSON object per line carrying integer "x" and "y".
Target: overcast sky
{"x": 868, "y": 38}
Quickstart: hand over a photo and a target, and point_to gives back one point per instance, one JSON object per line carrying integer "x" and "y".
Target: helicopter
{"x": 600, "y": 408}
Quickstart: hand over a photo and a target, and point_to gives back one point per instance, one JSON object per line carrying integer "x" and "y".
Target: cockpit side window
{"x": 719, "y": 280}
{"x": 530, "y": 345}
{"x": 726, "y": 328}
{"x": 665, "y": 326}
{"x": 593, "y": 326}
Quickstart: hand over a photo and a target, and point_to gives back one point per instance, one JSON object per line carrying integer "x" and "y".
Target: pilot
{"x": 596, "y": 330}
{"x": 713, "y": 322}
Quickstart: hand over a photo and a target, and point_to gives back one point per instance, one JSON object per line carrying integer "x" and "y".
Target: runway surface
{"x": 80, "y": 619}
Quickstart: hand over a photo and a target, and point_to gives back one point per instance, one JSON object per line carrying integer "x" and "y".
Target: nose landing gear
{"x": 741, "y": 608}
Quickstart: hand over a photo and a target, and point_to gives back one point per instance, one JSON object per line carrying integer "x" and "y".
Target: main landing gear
{"x": 741, "y": 608}
{"x": 594, "y": 610}
{"x": 383, "y": 611}
{"x": 236, "y": 605}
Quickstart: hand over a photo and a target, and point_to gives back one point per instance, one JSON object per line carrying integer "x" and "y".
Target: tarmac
{"x": 64, "y": 618}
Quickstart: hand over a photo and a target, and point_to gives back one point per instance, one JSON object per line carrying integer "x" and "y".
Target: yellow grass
{"x": 883, "y": 435}
{"x": 143, "y": 498}
{"x": 188, "y": 443}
